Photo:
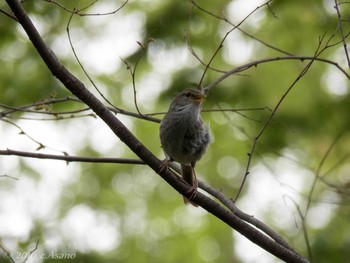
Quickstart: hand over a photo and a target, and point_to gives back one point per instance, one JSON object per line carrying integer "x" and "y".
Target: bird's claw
{"x": 164, "y": 166}
{"x": 193, "y": 191}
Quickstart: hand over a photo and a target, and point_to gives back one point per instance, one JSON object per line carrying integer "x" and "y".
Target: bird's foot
{"x": 193, "y": 193}
{"x": 164, "y": 166}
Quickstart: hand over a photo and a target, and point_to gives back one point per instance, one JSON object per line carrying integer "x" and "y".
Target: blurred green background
{"x": 126, "y": 213}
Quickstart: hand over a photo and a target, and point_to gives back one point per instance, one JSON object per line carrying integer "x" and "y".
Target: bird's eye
{"x": 187, "y": 94}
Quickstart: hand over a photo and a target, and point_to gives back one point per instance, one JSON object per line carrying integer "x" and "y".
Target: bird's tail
{"x": 189, "y": 175}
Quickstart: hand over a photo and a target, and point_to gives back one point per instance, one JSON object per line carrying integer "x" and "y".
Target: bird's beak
{"x": 199, "y": 98}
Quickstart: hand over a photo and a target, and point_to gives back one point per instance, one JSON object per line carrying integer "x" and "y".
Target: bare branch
{"x": 71, "y": 11}
{"x": 22, "y": 132}
{"x": 81, "y": 65}
{"x": 275, "y": 59}
{"x": 7, "y": 176}
{"x": 44, "y": 103}
{"x": 225, "y": 19}
{"x": 36, "y": 105}
{"x": 318, "y": 172}
{"x": 193, "y": 52}
{"x": 336, "y": 6}
{"x": 70, "y": 158}
{"x": 221, "y": 110}
{"x": 31, "y": 252}
{"x": 8, "y": 14}
{"x": 7, "y": 255}
{"x": 78, "y": 11}
{"x": 267, "y": 123}
{"x": 132, "y": 71}
{"x": 223, "y": 40}
{"x": 304, "y": 228}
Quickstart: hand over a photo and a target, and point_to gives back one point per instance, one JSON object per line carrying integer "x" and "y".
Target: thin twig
{"x": 56, "y": 118}
{"x": 71, "y": 11}
{"x": 133, "y": 76}
{"x": 44, "y": 103}
{"x": 304, "y": 228}
{"x": 81, "y": 64}
{"x": 8, "y": 176}
{"x": 336, "y": 6}
{"x": 8, "y": 14}
{"x": 31, "y": 252}
{"x": 22, "y": 132}
{"x": 38, "y": 104}
{"x": 269, "y": 120}
{"x": 7, "y": 255}
{"x": 223, "y": 40}
{"x": 79, "y": 13}
{"x": 193, "y": 52}
{"x": 318, "y": 172}
{"x": 70, "y": 158}
{"x": 133, "y": 72}
{"x": 275, "y": 59}
{"x": 220, "y": 110}
{"x": 225, "y": 19}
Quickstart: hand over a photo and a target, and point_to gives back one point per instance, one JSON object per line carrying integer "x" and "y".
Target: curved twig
{"x": 336, "y": 6}
{"x": 275, "y": 59}
{"x": 268, "y": 122}
{"x": 86, "y": 7}
{"x": 70, "y": 158}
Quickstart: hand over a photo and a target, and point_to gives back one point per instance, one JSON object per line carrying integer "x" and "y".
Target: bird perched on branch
{"x": 183, "y": 135}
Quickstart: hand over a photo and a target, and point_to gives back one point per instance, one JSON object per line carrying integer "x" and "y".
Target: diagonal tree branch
{"x": 78, "y": 89}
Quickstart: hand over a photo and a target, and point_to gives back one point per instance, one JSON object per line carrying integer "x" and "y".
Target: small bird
{"x": 183, "y": 135}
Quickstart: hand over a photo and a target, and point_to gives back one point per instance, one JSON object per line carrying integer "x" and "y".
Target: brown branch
{"x": 223, "y": 18}
{"x": 78, "y": 89}
{"x": 70, "y": 158}
{"x": 8, "y": 14}
{"x": 275, "y": 59}
{"x": 8, "y": 176}
{"x": 269, "y": 120}
{"x": 304, "y": 228}
{"x": 312, "y": 189}
{"x": 223, "y": 40}
{"x": 43, "y": 103}
{"x": 318, "y": 171}
{"x": 38, "y": 104}
{"x": 336, "y": 6}
{"x": 68, "y": 10}
{"x": 235, "y": 210}
{"x": 7, "y": 254}
{"x": 193, "y": 52}
{"x": 78, "y": 12}
{"x": 31, "y": 252}
{"x": 22, "y": 132}
{"x": 133, "y": 74}
{"x": 81, "y": 64}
